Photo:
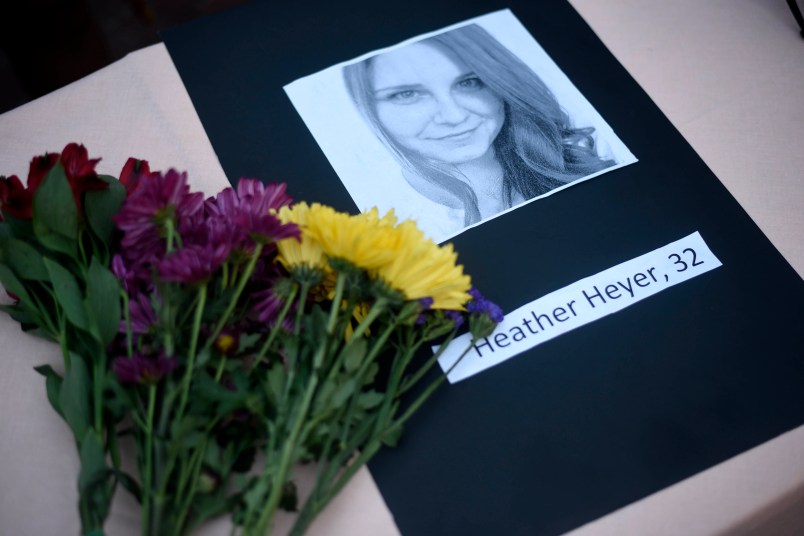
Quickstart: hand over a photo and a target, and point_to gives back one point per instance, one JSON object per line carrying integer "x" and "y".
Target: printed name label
{"x": 578, "y": 304}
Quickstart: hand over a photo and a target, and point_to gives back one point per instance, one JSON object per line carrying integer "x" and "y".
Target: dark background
{"x": 47, "y": 44}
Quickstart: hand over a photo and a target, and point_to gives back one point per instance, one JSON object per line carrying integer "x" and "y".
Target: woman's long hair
{"x": 537, "y": 147}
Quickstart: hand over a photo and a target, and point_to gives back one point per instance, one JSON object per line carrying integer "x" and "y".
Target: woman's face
{"x": 434, "y": 105}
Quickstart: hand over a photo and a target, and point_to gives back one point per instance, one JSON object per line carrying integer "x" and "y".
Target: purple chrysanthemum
{"x": 141, "y": 314}
{"x": 133, "y": 274}
{"x": 192, "y": 264}
{"x": 251, "y": 208}
{"x": 267, "y": 305}
{"x": 143, "y": 369}
{"x": 159, "y": 200}
{"x": 480, "y": 305}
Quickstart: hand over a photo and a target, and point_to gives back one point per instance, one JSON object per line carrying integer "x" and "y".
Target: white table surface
{"x": 729, "y": 74}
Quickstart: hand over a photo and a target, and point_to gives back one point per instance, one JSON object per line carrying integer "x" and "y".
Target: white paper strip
{"x": 582, "y": 302}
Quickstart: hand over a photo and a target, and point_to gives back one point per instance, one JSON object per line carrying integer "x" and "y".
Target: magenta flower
{"x": 159, "y": 200}
{"x": 141, "y": 314}
{"x": 134, "y": 274}
{"x": 251, "y": 209}
{"x": 193, "y": 264}
{"x": 267, "y": 305}
{"x": 143, "y": 369}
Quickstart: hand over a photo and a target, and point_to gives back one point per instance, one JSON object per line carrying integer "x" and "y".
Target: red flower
{"x": 80, "y": 171}
{"x": 40, "y": 167}
{"x": 134, "y": 171}
{"x": 15, "y": 199}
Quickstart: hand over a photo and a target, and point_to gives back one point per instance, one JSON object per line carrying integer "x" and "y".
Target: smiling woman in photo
{"x": 474, "y": 128}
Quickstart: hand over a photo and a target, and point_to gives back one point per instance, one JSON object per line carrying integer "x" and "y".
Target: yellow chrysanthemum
{"x": 293, "y": 253}
{"x": 366, "y": 240}
{"x": 421, "y": 269}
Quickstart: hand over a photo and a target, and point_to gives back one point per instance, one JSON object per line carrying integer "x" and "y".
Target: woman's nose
{"x": 449, "y": 110}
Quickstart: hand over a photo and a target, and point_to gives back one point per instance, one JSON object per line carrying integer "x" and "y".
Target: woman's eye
{"x": 404, "y": 96}
{"x": 472, "y": 82}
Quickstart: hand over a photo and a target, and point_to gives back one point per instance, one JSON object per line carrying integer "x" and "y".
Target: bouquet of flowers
{"x": 223, "y": 340}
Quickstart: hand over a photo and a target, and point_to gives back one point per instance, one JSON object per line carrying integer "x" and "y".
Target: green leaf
{"x": 115, "y": 400}
{"x": 25, "y": 260}
{"x": 276, "y": 383}
{"x": 129, "y": 484}
{"x": 92, "y": 488}
{"x": 101, "y": 205}
{"x": 5, "y": 231}
{"x": 355, "y": 352}
{"x": 55, "y": 216}
{"x": 74, "y": 397}
{"x": 13, "y": 285}
{"x": 370, "y": 399}
{"x": 16, "y": 227}
{"x": 391, "y": 436}
{"x": 93, "y": 460}
{"x": 248, "y": 340}
{"x": 325, "y": 393}
{"x": 68, "y": 295}
{"x": 343, "y": 392}
{"x": 53, "y": 385}
{"x": 103, "y": 302}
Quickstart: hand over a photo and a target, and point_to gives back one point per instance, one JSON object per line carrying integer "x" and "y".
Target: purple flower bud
{"x": 480, "y": 305}
{"x": 143, "y": 369}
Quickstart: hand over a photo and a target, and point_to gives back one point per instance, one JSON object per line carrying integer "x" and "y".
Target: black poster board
{"x": 590, "y": 421}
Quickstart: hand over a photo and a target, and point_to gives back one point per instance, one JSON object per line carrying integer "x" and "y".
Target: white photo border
{"x": 372, "y": 175}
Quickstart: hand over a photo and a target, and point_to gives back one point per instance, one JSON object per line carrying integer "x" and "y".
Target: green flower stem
{"x": 373, "y": 313}
{"x": 329, "y": 469}
{"x": 225, "y": 275}
{"x": 397, "y": 370}
{"x": 424, "y": 369}
{"x": 241, "y": 285}
{"x": 81, "y": 249}
{"x": 305, "y": 289}
{"x": 293, "y": 357}
{"x": 275, "y": 329}
{"x": 336, "y": 302}
{"x": 291, "y": 443}
{"x": 287, "y": 458}
{"x": 325, "y": 490}
{"x": 430, "y": 389}
{"x": 188, "y": 373}
{"x": 65, "y": 352}
{"x": 171, "y": 236}
{"x": 364, "y": 366}
{"x": 43, "y": 312}
{"x": 220, "y": 369}
{"x": 196, "y": 463}
{"x": 250, "y": 512}
{"x": 98, "y": 373}
{"x": 147, "y": 491}
{"x": 127, "y": 318}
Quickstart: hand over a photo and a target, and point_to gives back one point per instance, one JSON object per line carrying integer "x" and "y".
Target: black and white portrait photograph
{"x": 456, "y": 127}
